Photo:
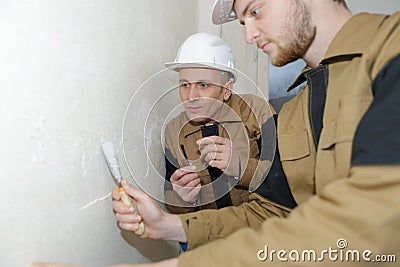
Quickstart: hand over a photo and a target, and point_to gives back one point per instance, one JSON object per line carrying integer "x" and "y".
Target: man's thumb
{"x": 135, "y": 193}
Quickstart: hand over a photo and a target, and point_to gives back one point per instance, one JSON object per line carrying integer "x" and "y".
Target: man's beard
{"x": 301, "y": 33}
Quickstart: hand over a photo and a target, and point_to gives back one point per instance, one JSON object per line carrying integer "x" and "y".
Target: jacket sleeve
{"x": 206, "y": 225}
{"x": 362, "y": 211}
{"x": 172, "y": 197}
{"x": 357, "y": 213}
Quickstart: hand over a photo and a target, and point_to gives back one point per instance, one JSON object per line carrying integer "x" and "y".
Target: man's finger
{"x": 115, "y": 195}
{"x": 188, "y": 178}
{"x": 128, "y": 218}
{"x": 135, "y": 193}
{"x": 120, "y": 207}
{"x": 129, "y": 226}
{"x": 218, "y": 164}
{"x": 193, "y": 183}
{"x": 212, "y": 140}
{"x": 179, "y": 173}
{"x": 210, "y": 156}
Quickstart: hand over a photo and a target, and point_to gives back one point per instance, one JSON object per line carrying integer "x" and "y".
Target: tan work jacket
{"x": 240, "y": 121}
{"x": 360, "y": 204}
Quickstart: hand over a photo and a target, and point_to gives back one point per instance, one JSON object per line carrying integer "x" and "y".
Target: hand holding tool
{"x": 112, "y": 162}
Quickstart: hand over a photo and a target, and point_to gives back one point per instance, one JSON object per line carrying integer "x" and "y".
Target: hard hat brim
{"x": 223, "y": 12}
{"x": 177, "y": 66}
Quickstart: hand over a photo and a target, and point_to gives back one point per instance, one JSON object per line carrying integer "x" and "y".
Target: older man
{"x": 213, "y": 148}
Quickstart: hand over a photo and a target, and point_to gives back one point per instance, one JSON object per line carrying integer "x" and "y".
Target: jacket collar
{"x": 355, "y": 35}
{"x": 228, "y": 115}
{"x": 351, "y": 41}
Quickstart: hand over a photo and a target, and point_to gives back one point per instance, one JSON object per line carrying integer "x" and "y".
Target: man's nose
{"x": 193, "y": 92}
{"x": 251, "y": 33}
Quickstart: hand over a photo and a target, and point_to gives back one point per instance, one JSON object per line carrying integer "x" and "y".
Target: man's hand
{"x": 157, "y": 223}
{"x": 148, "y": 211}
{"x": 217, "y": 151}
{"x": 186, "y": 183}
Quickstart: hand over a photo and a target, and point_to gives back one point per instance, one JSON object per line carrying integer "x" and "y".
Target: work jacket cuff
{"x": 197, "y": 231}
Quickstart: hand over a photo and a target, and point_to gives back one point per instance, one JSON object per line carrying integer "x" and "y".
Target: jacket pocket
{"x": 343, "y": 127}
{"x": 337, "y": 138}
{"x": 294, "y": 146}
{"x": 298, "y": 163}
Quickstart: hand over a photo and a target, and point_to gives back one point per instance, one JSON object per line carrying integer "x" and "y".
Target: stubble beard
{"x": 299, "y": 36}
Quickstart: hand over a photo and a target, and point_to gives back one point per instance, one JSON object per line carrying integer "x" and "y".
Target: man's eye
{"x": 185, "y": 85}
{"x": 204, "y": 85}
{"x": 255, "y": 12}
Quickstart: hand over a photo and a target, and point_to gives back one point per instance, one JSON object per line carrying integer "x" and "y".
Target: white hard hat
{"x": 223, "y": 12}
{"x": 204, "y": 50}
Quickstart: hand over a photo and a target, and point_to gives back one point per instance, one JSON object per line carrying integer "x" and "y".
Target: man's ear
{"x": 228, "y": 87}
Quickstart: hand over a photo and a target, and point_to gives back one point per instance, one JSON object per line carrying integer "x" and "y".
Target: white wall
{"x": 204, "y": 20}
{"x": 374, "y": 6}
{"x": 67, "y": 71}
